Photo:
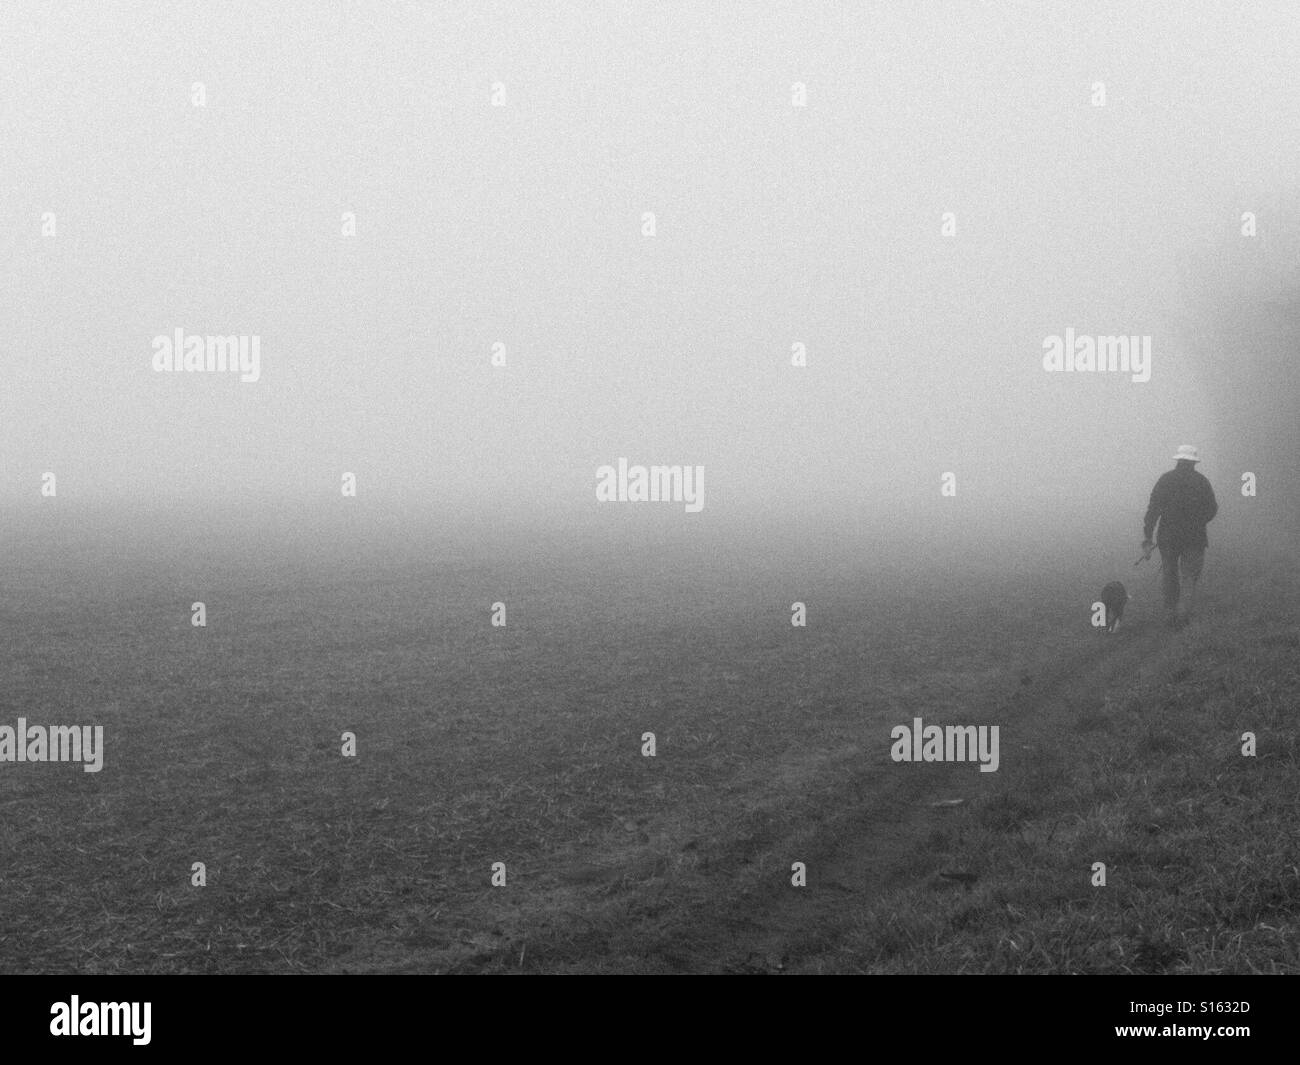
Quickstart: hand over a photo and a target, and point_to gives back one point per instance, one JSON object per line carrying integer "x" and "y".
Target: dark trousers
{"x": 1188, "y": 561}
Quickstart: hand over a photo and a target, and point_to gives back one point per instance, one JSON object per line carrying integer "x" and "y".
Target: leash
{"x": 1145, "y": 556}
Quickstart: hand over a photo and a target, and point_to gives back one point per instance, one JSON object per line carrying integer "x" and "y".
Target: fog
{"x": 775, "y": 225}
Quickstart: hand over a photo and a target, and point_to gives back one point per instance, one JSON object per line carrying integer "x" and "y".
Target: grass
{"x": 1199, "y": 841}
{"x": 522, "y": 745}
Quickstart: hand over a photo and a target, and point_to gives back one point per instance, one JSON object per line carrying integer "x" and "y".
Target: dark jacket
{"x": 1182, "y": 502}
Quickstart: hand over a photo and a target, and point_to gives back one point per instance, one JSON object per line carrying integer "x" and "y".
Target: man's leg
{"x": 1191, "y": 563}
{"x": 1169, "y": 583}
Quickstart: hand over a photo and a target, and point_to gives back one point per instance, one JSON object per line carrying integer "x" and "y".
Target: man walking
{"x": 1183, "y": 503}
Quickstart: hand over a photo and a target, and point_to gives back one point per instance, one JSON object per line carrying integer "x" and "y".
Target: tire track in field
{"x": 870, "y": 848}
{"x": 735, "y": 910}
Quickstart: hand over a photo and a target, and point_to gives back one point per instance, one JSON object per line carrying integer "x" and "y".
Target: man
{"x": 1183, "y": 503}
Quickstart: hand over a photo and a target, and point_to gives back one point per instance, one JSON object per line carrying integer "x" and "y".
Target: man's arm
{"x": 1154, "y": 510}
{"x": 1211, "y": 504}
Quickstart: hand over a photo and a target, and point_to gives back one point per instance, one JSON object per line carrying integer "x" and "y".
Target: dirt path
{"x": 692, "y": 903}
{"x": 870, "y": 847}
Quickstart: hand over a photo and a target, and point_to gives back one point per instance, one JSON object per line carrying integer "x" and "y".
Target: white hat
{"x": 1187, "y": 451}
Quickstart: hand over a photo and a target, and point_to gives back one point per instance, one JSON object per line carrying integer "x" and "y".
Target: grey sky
{"x": 522, "y": 224}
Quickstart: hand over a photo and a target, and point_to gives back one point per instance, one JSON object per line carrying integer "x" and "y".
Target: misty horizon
{"x": 775, "y": 225}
